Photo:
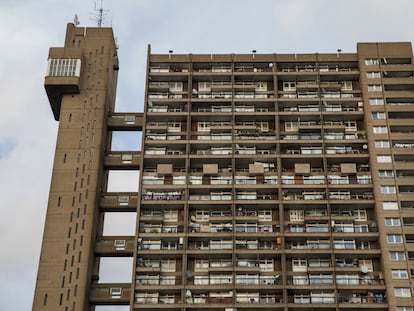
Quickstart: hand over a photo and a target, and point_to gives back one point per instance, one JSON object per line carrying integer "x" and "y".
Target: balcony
{"x": 110, "y": 294}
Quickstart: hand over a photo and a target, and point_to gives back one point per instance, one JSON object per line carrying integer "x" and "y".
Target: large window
{"x": 386, "y": 173}
{"x": 397, "y": 256}
{"x": 384, "y": 159}
{"x": 373, "y": 74}
{"x": 380, "y": 130}
{"x": 403, "y": 292}
{"x": 376, "y": 101}
{"x": 399, "y": 274}
{"x": 389, "y": 205}
{"x": 387, "y": 189}
{"x": 392, "y": 222}
{"x": 63, "y": 67}
{"x": 394, "y": 238}
{"x": 371, "y": 61}
{"x": 377, "y": 115}
{"x": 382, "y": 144}
{"x": 374, "y": 88}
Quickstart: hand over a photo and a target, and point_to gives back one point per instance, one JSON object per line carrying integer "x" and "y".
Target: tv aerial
{"x": 99, "y": 14}
{"x": 76, "y": 20}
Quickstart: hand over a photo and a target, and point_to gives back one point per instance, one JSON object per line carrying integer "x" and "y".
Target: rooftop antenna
{"x": 76, "y": 20}
{"x": 99, "y": 15}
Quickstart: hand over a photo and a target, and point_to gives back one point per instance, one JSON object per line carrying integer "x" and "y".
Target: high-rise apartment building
{"x": 267, "y": 181}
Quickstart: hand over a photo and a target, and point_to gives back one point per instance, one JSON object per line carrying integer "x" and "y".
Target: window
{"x": 291, "y": 126}
{"x": 174, "y": 126}
{"x": 399, "y": 274}
{"x": 373, "y": 74}
{"x": 168, "y": 265}
{"x": 386, "y": 173}
{"x": 387, "y": 189}
{"x": 404, "y": 309}
{"x": 382, "y": 144}
{"x": 346, "y": 86}
{"x": 371, "y": 61}
{"x": 392, "y": 222}
{"x": 380, "y": 129}
{"x": 397, "y": 256}
{"x": 374, "y": 88}
{"x": 394, "y": 238}
{"x": 299, "y": 265}
{"x": 176, "y": 86}
{"x": 376, "y": 101}
{"x": 389, "y": 205}
{"x": 384, "y": 159}
{"x": 350, "y": 125}
{"x": 65, "y": 67}
{"x": 203, "y": 126}
{"x": 289, "y": 86}
{"x": 378, "y": 115}
{"x": 403, "y": 292}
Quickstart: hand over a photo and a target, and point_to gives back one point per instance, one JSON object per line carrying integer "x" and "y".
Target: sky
{"x": 27, "y": 127}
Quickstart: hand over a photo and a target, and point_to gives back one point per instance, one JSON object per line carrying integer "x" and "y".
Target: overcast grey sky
{"x": 27, "y": 127}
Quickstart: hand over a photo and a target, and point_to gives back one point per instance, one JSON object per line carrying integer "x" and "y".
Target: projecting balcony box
{"x": 164, "y": 169}
{"x": 348, "y": 168}
{"x": 111, "y": 293}
{"x": 256, "y": 169}
{"x": 62, "y": 76}
{"x": 302, "y": 168}
{"x": 210, "y": 169}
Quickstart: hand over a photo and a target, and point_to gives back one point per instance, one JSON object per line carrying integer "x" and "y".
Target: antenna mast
{"x": 99, "y": 15}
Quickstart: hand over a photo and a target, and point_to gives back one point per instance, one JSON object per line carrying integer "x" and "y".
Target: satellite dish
{"x": 364, "y": 269}
{"x": 365, "y": 146}
{"x": 189, "y": 274}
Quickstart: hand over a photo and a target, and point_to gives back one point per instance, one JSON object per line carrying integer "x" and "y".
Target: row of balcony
{"x": 325, "y": 280}
{"x": 174, "y": 244}
{"x": 254, "y": 195}
{"x": 119, "y": 294}
{"x": 256, "y": 180}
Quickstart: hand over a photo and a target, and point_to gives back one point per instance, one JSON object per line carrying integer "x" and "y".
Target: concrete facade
{"x": 267, "y": 181}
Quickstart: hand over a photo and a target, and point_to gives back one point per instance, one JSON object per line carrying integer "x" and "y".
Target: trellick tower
{"x": 81, "y": 84}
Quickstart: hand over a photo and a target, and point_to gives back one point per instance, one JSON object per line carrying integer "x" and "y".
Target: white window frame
{"x": 392, "y": 222}
{"x": 385, "y": 173}
{"x": 402, "y": 292}
{"x": 376, "y": 101}
{"x": 384, "y": 158}
{"x": 346, "y": 86}
{"x": 394, "y": 238}
{"x": 378, "y": 115}
{"x": 374, "y": 88}
{"x": 289, "y": 86}
{"x": 397, "y": 256}
{"x": 381, "y": 129}
{"x": 399, "y": 274}
{"x": 371, "y": 61}
{"x": 175, "y": 86}
{"x": 390, "y": 206}
{"x": 382, "y": 144}
{"x": 388, "y": 189}
{"x": 203, "y": 126}
{"x": 168, "y": 265}
{"x": 174, "y": 126}
{"x": 373, "y": 74}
